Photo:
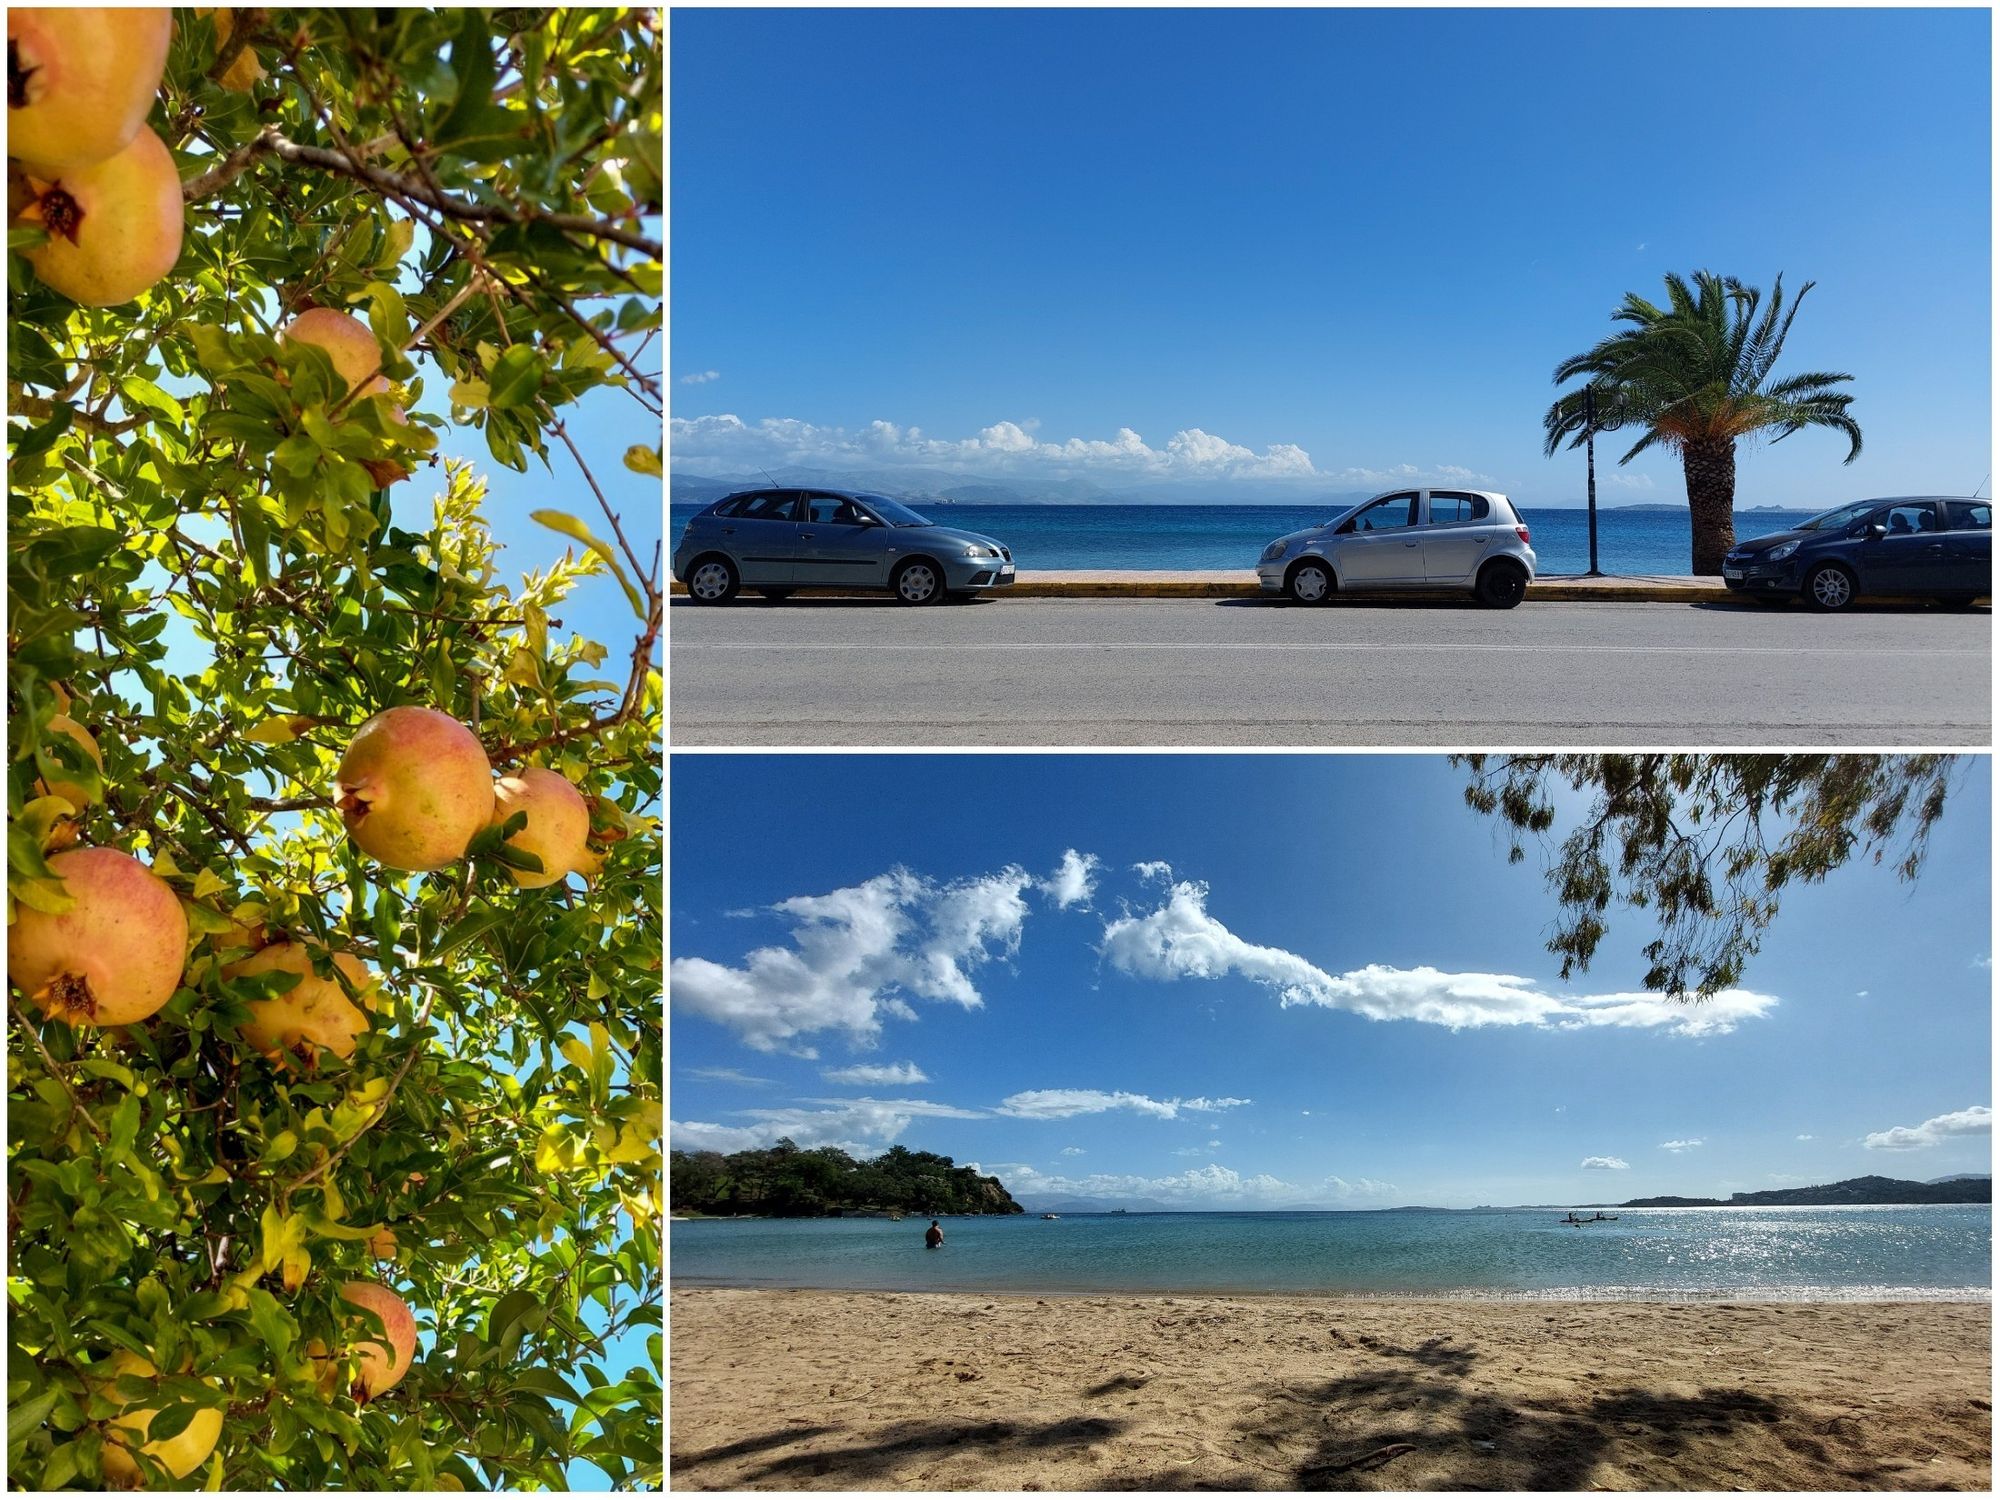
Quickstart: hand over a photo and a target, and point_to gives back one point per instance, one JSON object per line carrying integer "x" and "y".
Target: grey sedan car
{"x": 777, "y": 541}
{"x": 1408, "y": 539}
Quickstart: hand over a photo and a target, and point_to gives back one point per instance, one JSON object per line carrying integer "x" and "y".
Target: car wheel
{"x": 918, "y": 581}
{"x": 713, "y": 581}
{"x": 1311, "y": 582}
{"x": 1829, "y": 587}
{"x": 1502, "y": 586}
{"x": 774, "y": 595}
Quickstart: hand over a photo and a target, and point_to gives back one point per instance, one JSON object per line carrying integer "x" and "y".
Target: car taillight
{"x": 1521, "y": 532}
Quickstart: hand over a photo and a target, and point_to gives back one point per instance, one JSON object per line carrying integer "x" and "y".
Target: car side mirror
{"x": 1876, "y": 531}
{"x": 1345, "y": 529}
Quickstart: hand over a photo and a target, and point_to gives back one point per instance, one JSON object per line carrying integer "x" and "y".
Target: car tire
{"x": 1502, "y": 585}
{"x": 918, "y": 581}
{"x": 713, "y": 580}
{"x": 1830, "y": 588}
{"x": 776, "y": 595}
{"x": 1311, "y": 582}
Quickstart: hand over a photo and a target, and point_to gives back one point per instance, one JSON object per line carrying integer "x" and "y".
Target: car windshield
{"x": 1839, "y": 517}
{"x": 894, "y": 513}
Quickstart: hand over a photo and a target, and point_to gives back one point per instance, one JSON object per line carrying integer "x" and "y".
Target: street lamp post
{"x": 1590, "y": 469}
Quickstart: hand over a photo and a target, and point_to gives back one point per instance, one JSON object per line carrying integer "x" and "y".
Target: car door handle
{"x": 805, "y": 536}
{"x": 1410, "y": 544}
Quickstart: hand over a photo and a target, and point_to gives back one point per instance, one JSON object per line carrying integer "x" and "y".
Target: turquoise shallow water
{"x": 1166, "y": 537}
{"x": 1740, "y": 1254}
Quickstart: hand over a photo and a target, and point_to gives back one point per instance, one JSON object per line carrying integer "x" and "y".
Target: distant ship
{"x": 1052, "y": 1216}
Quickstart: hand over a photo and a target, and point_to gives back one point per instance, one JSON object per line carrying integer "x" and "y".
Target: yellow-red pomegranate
{"x": 381, "y": 1364}
{"x": 73, "y": 792}
{"x": 114, "y": 226}
{"x": 415, "y": 786}
{"x": 557, "y": 827}
{"x": 346, "y": 340}
{"x": 80, "y": 81}
{"x": 314, "y": 1014}
{"x": 113, "y": 957}
{"x": 180, "y": 1454}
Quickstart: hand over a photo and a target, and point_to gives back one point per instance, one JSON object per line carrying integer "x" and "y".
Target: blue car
{"x": 1936, "y": 545}
{"x": 777, "y": 541}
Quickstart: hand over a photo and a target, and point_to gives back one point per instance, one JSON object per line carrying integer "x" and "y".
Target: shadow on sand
{"x": 1408, "y": 1418}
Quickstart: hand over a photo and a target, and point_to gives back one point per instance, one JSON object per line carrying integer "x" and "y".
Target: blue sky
{"x": 1083, "y": 1025}
{"x": 1314, "y": 250}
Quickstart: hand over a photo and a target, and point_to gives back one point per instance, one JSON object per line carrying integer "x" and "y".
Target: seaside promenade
{"x": 927, "y": 1391}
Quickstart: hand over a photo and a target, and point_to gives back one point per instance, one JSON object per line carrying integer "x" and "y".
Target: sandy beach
{"x": 926, "y": 1391}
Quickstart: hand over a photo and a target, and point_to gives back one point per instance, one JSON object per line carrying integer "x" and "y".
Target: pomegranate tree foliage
{"x": 202, "y": 558}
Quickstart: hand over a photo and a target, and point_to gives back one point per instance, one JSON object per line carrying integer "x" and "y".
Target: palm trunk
{"x": 1710, "y": 465}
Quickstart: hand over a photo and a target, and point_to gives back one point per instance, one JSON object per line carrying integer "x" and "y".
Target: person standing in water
{"x": 933, "y": 1236}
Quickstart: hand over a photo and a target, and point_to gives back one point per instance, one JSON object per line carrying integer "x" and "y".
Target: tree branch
{"x": 272, "y": 142}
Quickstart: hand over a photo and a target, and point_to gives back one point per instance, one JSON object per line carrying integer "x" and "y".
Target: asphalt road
{"x": 1245, "y": 672}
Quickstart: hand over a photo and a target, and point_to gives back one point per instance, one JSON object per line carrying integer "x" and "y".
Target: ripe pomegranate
{"x": 80, "y": 82}
{"x": 382, "y": 1244}
{"x": 380, "y": 386}
{"x": 114, "y": 226}
{"x": 179, "y": 1455}
{"x": 113, "y": 957}
{"x": 558, "y": 823}
{"x": 314, "y": 1014}
{"x": 415, "y": 786}
{"x": 382, "y": 1364}
{"x": 70, "y": 791}
{"x": 346, "y": 340}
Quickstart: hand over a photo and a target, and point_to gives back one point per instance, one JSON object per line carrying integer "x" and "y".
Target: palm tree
{"x": 1697, "y": 376}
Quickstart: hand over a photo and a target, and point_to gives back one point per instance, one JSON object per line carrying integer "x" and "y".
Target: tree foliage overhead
{"x": 223, "y": 560}
{"x": 784, "y": 1182}
{"x": 1707, "y": 843}
{"x": 1695, "y": 376}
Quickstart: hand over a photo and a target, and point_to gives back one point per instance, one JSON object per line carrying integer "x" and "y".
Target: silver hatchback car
{"x": 1408, "y": 539}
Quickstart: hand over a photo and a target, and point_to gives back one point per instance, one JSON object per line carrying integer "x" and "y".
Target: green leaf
{"x": 514, "y": 378}
{"x": 41, "y": 439}
{"x": 142, "y": 395}
{"x": 570, "y": 526}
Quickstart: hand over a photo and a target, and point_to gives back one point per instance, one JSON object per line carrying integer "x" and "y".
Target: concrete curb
{"x": 1171, "y": 586}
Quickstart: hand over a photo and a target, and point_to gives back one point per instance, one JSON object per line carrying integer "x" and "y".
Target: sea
{"x": 1207, "y": 537}
{"x": 1848, "y": 1254}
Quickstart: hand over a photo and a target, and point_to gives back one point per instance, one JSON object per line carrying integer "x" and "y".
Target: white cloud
{"x": 726, "y": 441}
{"x": 1603, "y": 1164}
{"x": 856, "y": 953}
{"x": 1200, "y": 1187}
{"x": 1978, "y": 1120}
{"x": 1629, "y": 481}
{"x": 857, "y": 1126}
{"x": 874, "y": 1074}
{"x": 1181, "y": 940}
{"x": 1061, "y": 1104}
{"x": 1410, "y": 474}
{"x": 1679, "y": 1146}
{"x": 1803, "y": 1137}
{"x": 1153, "y": 869}
{"x": 1074, "y": 882}
{"x": 701, "y": 377}
{"x": 1360, "y": 1187}
{"x": 1071, "y": 1151}
{"x": 722, "y": 1075}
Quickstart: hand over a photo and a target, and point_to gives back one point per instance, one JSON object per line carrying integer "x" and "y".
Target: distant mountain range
{"x": 1961, "y": 1188}
{"x": 1964, "y": 1177}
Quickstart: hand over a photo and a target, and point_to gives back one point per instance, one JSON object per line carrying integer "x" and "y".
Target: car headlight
{"x": 1275, "y": 551}
{"x": 974, "y": 549}
{"x": 1780, "y": 552}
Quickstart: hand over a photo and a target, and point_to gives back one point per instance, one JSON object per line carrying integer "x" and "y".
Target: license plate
{"x": 1008, "y": 571}
{"x": 1732, "y": 573}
